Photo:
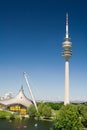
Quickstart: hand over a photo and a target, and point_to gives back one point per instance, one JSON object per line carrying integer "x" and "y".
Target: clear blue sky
{"x": 31, "y": 36}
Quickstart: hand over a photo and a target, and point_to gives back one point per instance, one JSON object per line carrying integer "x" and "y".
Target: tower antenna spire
{"x": 67, "y": 33}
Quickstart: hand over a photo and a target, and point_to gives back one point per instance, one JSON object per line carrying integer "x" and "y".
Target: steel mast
{"x": 28, "y": 85}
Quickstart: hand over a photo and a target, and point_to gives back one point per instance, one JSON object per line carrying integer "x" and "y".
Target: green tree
{"x": 40, "y": 108}
{"x": 32, "y": 111}
{"x": 82, "y": 109}
{"x": 68, "y": 119}
{"x": 44, "y": 110}
{"x": 54, "y": 106}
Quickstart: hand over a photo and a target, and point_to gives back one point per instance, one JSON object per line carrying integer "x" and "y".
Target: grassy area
{"x": 8, "y": 115}
{"x": 5, "y": 114}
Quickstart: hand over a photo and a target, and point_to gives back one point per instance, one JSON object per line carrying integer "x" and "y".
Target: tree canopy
{"x": 68, "y": 119}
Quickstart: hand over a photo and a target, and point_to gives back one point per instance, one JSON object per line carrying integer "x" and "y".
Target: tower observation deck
{"x": 67, "y": 53}
{"x": 67, "y": 45}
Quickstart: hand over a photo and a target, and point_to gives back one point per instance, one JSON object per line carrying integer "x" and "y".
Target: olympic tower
{"x": 66, "y": 53}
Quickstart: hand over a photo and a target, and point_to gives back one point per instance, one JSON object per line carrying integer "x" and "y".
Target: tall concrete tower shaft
{"x": 67, "y": 53}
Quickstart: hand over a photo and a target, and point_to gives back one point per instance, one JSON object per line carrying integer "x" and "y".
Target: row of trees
{"x": 44, "y": 111}
{"x": 69, "y": 117}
